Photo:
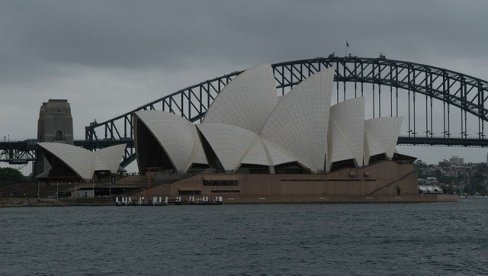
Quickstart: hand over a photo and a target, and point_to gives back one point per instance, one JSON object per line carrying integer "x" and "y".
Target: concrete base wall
{"x": 386, "y": 181}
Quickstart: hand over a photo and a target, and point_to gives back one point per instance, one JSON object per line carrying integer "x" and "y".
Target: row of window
{"x": 207, "y": 182}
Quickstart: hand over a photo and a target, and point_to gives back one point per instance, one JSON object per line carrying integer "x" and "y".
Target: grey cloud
{"x": 92, "y": 51}
{"x": 168, "y": 34}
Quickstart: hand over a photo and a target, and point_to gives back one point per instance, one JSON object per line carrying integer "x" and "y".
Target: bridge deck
{"x": 22, "y": 152}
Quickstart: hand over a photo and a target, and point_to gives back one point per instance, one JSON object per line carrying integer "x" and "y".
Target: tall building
{"x": 55, "y": 124}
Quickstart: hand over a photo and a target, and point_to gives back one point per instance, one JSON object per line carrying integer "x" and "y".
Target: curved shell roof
{"x": 230, "y": 143}
{"x": 246, "y": 101}
{"x": 381, "y": 135}
{"x": 177, "y": 136}
{"x": 257, "y": 154}
{"x": 277, "y": 154}
{"x": 80, "y": 160}
{"x": 346, "y": 132}
{"x": 248, "y": 124}
{"x": 371, "y": 145}
{"x": 111, "y": 156}
{"x": 299, "y": 122}
{"x": 84, "y": 162}
{"x": 198, "y": 155}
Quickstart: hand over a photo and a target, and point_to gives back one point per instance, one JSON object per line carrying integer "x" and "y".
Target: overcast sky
{"x": 108, "y": 57}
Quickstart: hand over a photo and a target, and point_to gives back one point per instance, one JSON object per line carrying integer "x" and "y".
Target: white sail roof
{"x": 230, "y": 143}
{"x": 346, "y": 132}
{"x": 99, "y": 164}
{"x": 80, "y": 160}
{"x": 84, "y": 162}
{"x": 198, "y": 155}
{"x": 246, "y": 101}
{"x": 248, "y": 124}
{"x": 300, "y": 121}
{"x": 381, "y": 135}
{"x": 257, "y": 154}
{"x": 277, "y": 154}
{"x": 176, "y": 135}
{"x": 111, "y": 157}
{"x": 371, "y": 146}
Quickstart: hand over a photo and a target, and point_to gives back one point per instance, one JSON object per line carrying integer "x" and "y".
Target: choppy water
{"x": 333, "y": 239}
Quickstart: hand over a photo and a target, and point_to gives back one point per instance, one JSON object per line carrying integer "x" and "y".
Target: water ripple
{"x": 338, "y": 239}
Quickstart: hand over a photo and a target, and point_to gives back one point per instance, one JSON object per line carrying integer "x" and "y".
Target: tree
{"x": 10, "y": 176}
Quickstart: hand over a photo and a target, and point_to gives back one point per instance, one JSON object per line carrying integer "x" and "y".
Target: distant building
{"x": 456, "y": 160}
{"x": 444, "y": 163}
{"x": 55, "y": 124}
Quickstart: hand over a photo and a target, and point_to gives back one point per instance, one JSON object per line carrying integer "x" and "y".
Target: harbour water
{"x": 314, "y": 239}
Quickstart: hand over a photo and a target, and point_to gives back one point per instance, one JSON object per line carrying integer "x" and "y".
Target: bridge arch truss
{"x": 440, "y": 106}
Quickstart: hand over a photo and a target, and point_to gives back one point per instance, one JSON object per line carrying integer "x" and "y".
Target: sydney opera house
{"x": 256, "y": 146}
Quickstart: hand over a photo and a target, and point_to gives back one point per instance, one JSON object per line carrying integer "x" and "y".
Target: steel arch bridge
{"x": 395, "y": 88}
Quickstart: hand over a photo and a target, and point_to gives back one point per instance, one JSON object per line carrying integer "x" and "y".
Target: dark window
{"x": 58, "y": 136}
{"x": 220, "y": 182}
{"x": 302, "y": 180}
{"x": 198, "y": 167}
{"x": 225, "y": 191}
{"x": 343, "y": 164}
{"x": 377, "y": 158}
{"x": 291, "y": 168}
{"x": 189, "y": 192}
{"x": 254, "y": 169}
{"x": 346, "y": 180}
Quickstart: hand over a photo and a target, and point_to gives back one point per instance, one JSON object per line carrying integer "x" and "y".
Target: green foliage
{"x": 420, "y": 164}
{"x": 10, "y": 176}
